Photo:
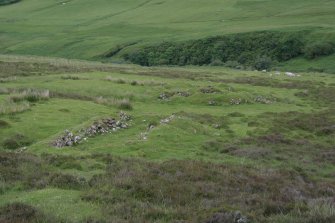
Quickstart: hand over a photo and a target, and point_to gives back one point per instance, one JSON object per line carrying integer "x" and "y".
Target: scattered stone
{"x": 165, "y": 121}
{"x": 263, "y": 100}
{"x": 164, "y": 96}
{"x": 168, "y": 119}
{"x": 150, "y": 127}
{"x": 230, "y": 89}
{"x": 183, "y": 93}
{"x": 167, "y": 95}
{"x": 209, "y": 90}
{"x": 235, "y": 101}
{"x": 144, "y": 136}
{"x": 103, "y": 126}
{"x": 124, "y": 116}
{"x": 277, "y": 73}
{"x": 228, "y": 217}
{"x": 21, "y": 150}
{"x": 290, "y": 74}
{"x": 212, "y": 103}
{"x": 216, "y": 126}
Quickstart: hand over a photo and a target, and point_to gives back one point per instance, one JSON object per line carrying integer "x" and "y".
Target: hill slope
{"x": 86, "y": 29}
{"x": 203, "y": 144}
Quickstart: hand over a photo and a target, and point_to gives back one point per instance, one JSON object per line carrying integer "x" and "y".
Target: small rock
{"x": 212, "y": 103}
{"x": 235, "y": 101}
{"x": 290, "y": 74}
{"x": 228, "y": 217}
{"x": 97, "y": 128}
{"x": 209, "y": 90}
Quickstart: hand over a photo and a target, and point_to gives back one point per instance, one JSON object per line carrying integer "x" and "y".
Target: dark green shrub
{"x": 134, "y": 83}
{"x": 232, "y": 64}
{"x": 63, "y": 162}
{"x": 236, "y": 114}
{"x": 318, "y": 49}
{"x": 30, "y": 95}
{"x": 4, "y": 124}
{"x": 23, "y": 213}
{"x": 66, "y": 181}
{"x": 289, "y": 47}
{"x": 240, "y": 48}
{"x": 69, "y": 77}
{"x": 263, "y": 63}
{"x": 125, "y": 104}
{"x": 120, "y": 81}
{"x": 18, "y": 212}
{"x": 217, "y": 62}
{"x": 16, "y": 141}
{"x": 213, "y": 145}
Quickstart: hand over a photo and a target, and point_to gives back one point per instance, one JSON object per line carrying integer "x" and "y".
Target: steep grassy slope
{"x": 8, "y": 2}
{"x": 201, "y": 144}
{"x": 86, "y": 29}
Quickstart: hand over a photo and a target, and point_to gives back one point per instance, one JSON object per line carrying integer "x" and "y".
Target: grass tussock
{"x": 320, "y": 123}
{"x": 16, "y": 141}
{"x": 70, "y": 77}
{"x": 33, "y": 172}
{"x": 175, "y": 190}
{"x": 134, "y": 82}
{"x": 30, "y": 95}
{"x": 20, "y": 100}
{"x": 12, "y": 108}
{"x": 4, "y": 124}
{"x": 23, "y": 213}
{"x": 123, "y": 103}
{"x": 7, "y": 79}
{"x": 4, "y": 90}
{"x": 133, "y": 190}
{"x": 115, "y": 80}
{"x": 66, "y": 181}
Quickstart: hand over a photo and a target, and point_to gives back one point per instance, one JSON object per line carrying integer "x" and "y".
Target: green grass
{"x": 273, "y": 161}
{"x": 82, "y": 30}
{"x": 291, "y": 138}
{"x": 51, "y": 201}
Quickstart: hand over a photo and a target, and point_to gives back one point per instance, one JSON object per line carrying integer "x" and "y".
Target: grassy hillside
{"x": 7, "y": 2}
{"x": 86, "y": 29}
{"x": 84, "y": 140}
{"x": 201, "y": 144}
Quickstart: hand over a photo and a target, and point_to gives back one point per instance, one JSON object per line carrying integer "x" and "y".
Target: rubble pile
{"x": 164, "y": 96}
{"x": 209, "y": 90}
{"x": 103, "y": 126}
{"x": 168, "y": 95}
{"x": 168, "y": 119}
{"x": 264, "y": 100}
{"x": 235, "y": 101}
{"x": 212, "y": 103}
{"x": 183, "y": 93}
{"x": 165, "y": 121}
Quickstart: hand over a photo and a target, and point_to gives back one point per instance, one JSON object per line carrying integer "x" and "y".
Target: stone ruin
{"x": 264, "y": 100}
{"x": 236, "y": 101}
{"x": 209, "y": 90}
{"x": 167, "y": 95}
{"x": 100, "y": 127}
{"x": 212, "y": 103}
{"x": 164, "y": 121}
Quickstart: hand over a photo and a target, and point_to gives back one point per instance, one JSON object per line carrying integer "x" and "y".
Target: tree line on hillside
{"x": 256, "y": 50}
